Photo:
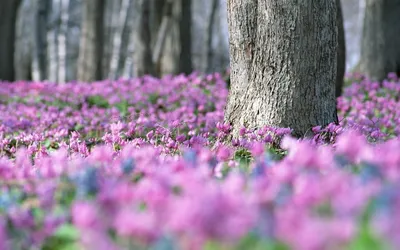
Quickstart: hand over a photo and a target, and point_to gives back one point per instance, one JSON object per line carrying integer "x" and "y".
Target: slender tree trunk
{"x": 24, "y": 41}
{"x": 124, "y": 55}
{"x": 162, "y": 31}
{"x": 91, "y": 45}
{"x": 207, "y": 67}
{"x": 142, "y": 39}
{"x": 380, "y": 50}
{"x": 62, "y": 41}
{"x": 8, "y": 17}
{"x": 115, "y": 66}
{"x": 157, "y": 14}
{"x": 40, "y": 41}
{"x": 73, "y": 35}
{"x": 185, "y": 33}
{"x": 283, "y": 64}
{"x": 341, "y": 57}
{"x": 177, "y": 52}
{"x": 52, "y": 44}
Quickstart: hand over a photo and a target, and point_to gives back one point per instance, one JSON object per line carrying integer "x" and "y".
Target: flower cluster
{"x": 142, "y": 164}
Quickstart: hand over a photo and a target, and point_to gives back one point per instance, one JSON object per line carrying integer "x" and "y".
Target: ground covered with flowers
{"x": 143, "y": 164}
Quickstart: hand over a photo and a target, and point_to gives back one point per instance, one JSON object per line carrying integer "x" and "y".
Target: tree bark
{"x": 341, "y": 56}
{"x": 8, "y": 17}
{"x": 380, "y": 50}
{"x": 91, "y": 44}
{"x": 142, "y": 39}
{"x": 283, "y": 58}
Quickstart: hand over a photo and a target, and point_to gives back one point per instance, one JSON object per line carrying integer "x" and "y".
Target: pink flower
{"x": 223, "y": 153}
{"x": 257, "y": 149}
{"x": 141, "y": 225}
{"x": 85, "y": 215}
{"x": 351, "y": 144}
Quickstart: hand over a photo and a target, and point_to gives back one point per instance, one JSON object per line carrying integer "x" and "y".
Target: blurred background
{"x": 87, "y": 40}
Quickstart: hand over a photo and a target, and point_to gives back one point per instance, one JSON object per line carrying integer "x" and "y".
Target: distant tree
{"x": 210, "y": 35}
{"x": 380, "y": 43}
{"x": 142, "y": 40}
{"x": 8, "y": 17}
{"x": 120, "y": 40}
{"x": 24, "y": 40}
{"x": 91, "y": 43}
{"x": 341, "y": 57}
{"x": 170, "y": 25}
{"x": 283, "y": 64}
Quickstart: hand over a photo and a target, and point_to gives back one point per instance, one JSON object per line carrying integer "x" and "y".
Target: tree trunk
{"x": 62, "y": 41}
{"x": 40, "y": 40}
{"x": 8, "y": 17}
{"x": 142, "y": 39}
{"x": 207, "y": 67}
{"x": 283, "y": 64}
{"x": 177, "y": 51}
{"x": 380, "y": 50}
{"x": 52, "y": 44}
{"x": 73, "y": 35}
{"x": 341, "y": 56}
{"x": 24, "y": 40}
{"x": 115, "y": 62}
{"x": 91, "y": 44}
{"x": 185, "y": 32}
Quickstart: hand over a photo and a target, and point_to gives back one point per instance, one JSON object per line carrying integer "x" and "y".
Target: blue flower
{"x": 190, "y": 157}
{"x": 128, "y": 166}
{"x": 87, "y": 181}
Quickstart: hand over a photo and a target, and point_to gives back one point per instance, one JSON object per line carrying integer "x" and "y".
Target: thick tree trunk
{"x": 283, "y": 64}
{"x": 380, "y": 50}
{"x": 341, "y": 56}
{"x": 142, "y": 39}
{"x": 8, "y": 17}
{"x": 91, "y": 45}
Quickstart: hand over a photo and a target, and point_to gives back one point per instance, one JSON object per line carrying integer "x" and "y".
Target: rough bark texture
{"x": 283, "y": 64}
{"x": 8, "y": 16}
{"x": 341, "y": 56}
{"x": 91, "y": 46}
{"x": 380, "y": 50}
{"x": 142, "y": 40}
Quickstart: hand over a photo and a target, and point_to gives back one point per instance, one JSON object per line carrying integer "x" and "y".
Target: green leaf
{"x": 254, "y": 242}
{"x": 123, "y": 107}
{"x": 65, "y": 238}
{"x": 97, "y": 100}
